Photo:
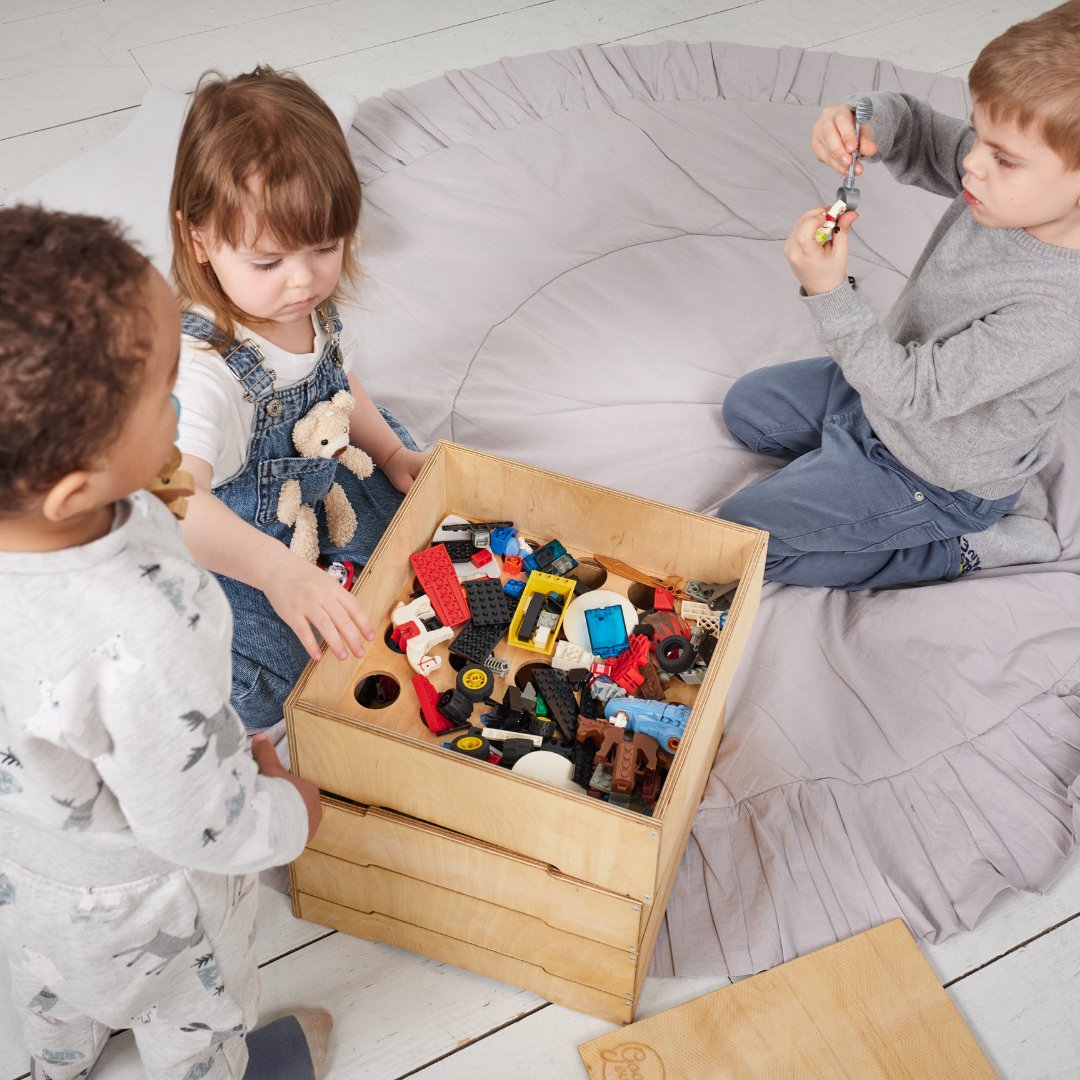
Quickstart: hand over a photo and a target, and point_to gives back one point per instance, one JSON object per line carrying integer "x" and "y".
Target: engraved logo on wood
{"x": 632, "y": 1061}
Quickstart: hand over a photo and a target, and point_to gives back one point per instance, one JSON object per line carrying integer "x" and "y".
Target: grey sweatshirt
{"x": 966, "y": 379}
{"x": 120, "y": 756}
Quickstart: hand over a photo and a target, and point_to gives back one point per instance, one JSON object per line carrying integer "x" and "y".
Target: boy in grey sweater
{"x": 133, "y": 820}
{"x": 916, "y": 442}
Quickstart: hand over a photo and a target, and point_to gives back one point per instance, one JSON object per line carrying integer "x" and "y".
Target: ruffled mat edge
{"x": 400, "y": 127}
{"x": 845, "y": 857}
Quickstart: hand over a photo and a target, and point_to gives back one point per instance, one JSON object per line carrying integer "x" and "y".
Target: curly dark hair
{"x": 74, "y": 336}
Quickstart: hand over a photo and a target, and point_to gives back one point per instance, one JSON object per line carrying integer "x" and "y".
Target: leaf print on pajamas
{"x": 8, "y": 784}
{"x": 222, "y": 726}
{"x": 81, "y": 815}
{"x": 62, "y": 1057}
{"x": 200, "y": 1069}
{"x": 217, "y": 1038}
{"x": 173, "y": 591}
{"x": 41, "y": 1003}
{"x": 7, "y": 890}
{"x": 234, "y": 804}
{"x": 207, "y": 970}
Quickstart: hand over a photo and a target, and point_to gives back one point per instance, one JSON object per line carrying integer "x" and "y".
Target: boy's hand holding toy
{"x": 819, "y": 267}
{"x": 837, "y": 141}
{"x": 817, "y": 248}
{"x": 834, "y": 139}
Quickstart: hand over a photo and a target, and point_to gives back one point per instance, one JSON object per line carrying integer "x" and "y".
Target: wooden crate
{"x": 457, "y": 859}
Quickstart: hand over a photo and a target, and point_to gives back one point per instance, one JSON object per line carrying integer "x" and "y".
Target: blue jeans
{"x": 844, "y": 512}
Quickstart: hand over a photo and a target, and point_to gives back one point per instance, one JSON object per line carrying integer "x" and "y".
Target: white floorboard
{"x": 72, "y": 73}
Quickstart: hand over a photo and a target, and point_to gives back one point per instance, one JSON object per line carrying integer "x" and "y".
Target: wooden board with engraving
{"x": 868, "y": 1008}
{"x": 461, "y": 860}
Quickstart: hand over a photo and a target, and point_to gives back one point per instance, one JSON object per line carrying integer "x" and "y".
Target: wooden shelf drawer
{"x": 448, "y": 949}
{"x": 375, "y": 839}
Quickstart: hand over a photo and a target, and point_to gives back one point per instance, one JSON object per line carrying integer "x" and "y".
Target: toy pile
{"x": 592, "y": 715}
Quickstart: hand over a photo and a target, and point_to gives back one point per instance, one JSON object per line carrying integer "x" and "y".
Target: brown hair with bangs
{"x": 1030, "y": 75}
{"x": 259, "y": 148}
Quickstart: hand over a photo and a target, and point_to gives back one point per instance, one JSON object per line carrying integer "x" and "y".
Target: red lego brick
{"x": 663, "y": 600}
{"x": 436, "y": 574}
{"x": 428, "y": 697}
{"x": 481, "y": 557}
{"x": 627, "y": 671}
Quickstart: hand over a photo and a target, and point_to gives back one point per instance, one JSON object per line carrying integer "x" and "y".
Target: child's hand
{"x": 307, "y": 599}
{"x": 820, "y": 268}
{"x": 269, "y": 764}
{"x": 833, "y": 138}
{"x": 403, "y": 467}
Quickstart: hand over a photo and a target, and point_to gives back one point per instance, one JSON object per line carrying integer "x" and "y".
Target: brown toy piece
{"x": 173, "y": 486}
{"x": 635, "y": 754}
{"x": 323, "y": 432}
{"x": 651, "y": 688}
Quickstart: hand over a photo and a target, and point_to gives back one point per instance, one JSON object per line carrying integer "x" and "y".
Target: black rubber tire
{"x": 675, "y": 654}
{"x": 471, "y": 746}
{"x": 475, "y": 682}
{"x": 457, "y": 708}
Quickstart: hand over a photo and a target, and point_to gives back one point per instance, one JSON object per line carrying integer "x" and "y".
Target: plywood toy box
{"x": 462, "y": 860}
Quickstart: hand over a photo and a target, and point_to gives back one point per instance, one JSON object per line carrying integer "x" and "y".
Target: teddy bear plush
{"x": 323, "y": 432}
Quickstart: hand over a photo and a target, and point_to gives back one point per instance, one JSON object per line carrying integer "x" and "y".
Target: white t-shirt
{"x": 215, "y": 420}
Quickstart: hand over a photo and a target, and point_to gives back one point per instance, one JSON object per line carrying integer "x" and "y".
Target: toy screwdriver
{"x": 847, "y": 195}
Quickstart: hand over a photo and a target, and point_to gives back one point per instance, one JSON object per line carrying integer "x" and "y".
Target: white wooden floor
{"x": 71, "y": 74}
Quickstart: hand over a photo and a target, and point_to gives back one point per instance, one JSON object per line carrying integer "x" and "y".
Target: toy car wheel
{"x": 455, "y": 707}
{"x": 471, "y": 746}
{"x": 474, "y": 682}
{"x": 675, "y": 654}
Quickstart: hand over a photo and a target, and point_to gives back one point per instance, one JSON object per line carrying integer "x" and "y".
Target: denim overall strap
{"x": 243, "y": 358}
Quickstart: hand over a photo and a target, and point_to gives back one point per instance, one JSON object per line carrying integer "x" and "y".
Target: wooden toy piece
{"x": 173, "y": 486}
{"x": 631, "y": 573}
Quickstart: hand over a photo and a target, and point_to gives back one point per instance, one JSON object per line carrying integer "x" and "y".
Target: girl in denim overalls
{"x": 266, "y": 203}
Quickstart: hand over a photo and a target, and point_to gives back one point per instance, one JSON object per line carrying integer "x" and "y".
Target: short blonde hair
{"x": 263, "y": 143}
{"x": 1030, "y": 75}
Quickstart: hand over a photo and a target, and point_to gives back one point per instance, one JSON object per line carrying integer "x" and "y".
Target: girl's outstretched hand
{"x": 403, "y": 467}
{"x": 820, "y": 268}
{"x": 833, "y": 138}
{"x": 309, "y": 600}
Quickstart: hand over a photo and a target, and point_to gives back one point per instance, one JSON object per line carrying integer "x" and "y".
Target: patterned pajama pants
{"x": 172, "y": 957}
